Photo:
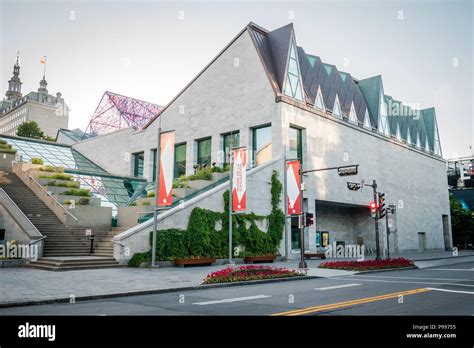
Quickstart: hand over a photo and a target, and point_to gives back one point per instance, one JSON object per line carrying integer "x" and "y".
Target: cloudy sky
{"x": 151, "y": 49}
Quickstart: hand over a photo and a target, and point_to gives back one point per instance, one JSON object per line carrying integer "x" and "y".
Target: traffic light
{"x": 382, "y": 210}
{"x": 373, "y": 209}
{"x": 353, "y": 186}
{"x": 309, "y": 219}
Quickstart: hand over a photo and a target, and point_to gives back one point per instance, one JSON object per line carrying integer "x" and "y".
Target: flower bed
{"x": 367, "y": 264}
{"x": 244, "y": 273}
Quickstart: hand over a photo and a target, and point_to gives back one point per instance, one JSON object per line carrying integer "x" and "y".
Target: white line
{"x": 232, "y": 300}
{"x": 417, "y": 278}
{"x": 337, "y": 286}
{"x": 449, "y": 269}
{"x": 405, "y": 281}
{"x": 456, "y": 291}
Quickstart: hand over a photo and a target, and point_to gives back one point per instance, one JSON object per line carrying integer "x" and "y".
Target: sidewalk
{"x": 20, "y": 286}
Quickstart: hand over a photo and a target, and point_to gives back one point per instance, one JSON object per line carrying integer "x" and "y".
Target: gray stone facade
{"x": 234, "y": 93}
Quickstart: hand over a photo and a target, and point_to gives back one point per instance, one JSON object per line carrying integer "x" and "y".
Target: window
{"x": 293, "y": 83}
{"x": 230, "y": 140}
{"x": 295, "y": 144}
{"x": 204, "y": 152}
{"x": 337, "y": 108}
{"x": 153, "y": 169}
{"x": 261, "y": 145}
{"x": 138, "y": 160}
{"x": 295, "y": 234}
{"x": 179, "y": 160}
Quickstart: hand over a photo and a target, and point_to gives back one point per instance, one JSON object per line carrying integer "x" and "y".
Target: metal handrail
{"x": 38, "y": 240}
{"x": 21, "y": 212}
{"x": 55, "y": 201}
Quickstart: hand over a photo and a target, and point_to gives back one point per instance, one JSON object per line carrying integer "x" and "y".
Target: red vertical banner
{"x": 239, "y": 179}
{"x": 165, "y": 192}
{"x": 293, "y": 185}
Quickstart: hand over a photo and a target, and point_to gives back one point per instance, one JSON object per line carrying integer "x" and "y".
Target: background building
{"x": 50, "y": 112}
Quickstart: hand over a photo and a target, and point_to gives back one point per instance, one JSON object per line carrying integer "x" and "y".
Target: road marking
{"x": 343, "y": 304}
{"x": 409, "y": 282}
{"x": 456, "y": 291}
{"x": 449, "y": 269}
{"x": 338, "y": 286}
{"x": 235, "y": 299}
{"x": 417, "y": 278}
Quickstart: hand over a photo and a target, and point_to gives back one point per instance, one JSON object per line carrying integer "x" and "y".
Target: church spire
{"x": 14, "y": 84}
{"x": 43, "y": 84}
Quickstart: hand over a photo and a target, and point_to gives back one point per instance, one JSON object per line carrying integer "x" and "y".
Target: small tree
{"x": 30, "y": 129}
{"x": 462, "y": 223}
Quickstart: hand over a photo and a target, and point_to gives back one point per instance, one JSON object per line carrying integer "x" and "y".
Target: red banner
{"x": 293, "y": 184}
{"x": 165, "y": 192}
{"x": 239, "y": 179}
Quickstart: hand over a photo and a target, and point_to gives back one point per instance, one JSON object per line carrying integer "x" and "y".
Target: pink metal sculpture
{"x": 116, "y": 111}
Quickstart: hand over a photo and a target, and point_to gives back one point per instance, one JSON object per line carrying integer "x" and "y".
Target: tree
{"x": 462, "y": 223}
{"x": 30, "y": 129}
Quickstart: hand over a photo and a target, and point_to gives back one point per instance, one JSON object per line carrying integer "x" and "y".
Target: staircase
{"x": 62, "y": 241}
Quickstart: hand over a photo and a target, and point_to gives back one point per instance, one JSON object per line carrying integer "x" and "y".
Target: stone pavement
{"x": 22, "y": 285}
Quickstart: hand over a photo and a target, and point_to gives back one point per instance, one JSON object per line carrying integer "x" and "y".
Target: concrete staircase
{"x": 74, "y": 263}
{"x": 62, "y": 240}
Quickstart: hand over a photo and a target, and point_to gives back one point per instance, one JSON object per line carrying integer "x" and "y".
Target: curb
{"x": 151, "y": 292}
{"x": 385, "y": 270}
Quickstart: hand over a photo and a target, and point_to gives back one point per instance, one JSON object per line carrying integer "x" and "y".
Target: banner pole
{"x": 231, "y": 177}
{"x": 157, "y": 190}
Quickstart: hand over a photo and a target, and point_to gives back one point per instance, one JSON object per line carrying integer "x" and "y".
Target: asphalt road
{"x": 447, "y": 290}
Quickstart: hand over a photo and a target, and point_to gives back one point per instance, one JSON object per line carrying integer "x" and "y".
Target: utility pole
{"x": 231, "y": 177}
{"x": 376, "y": 219}
{"x": 388, "y": 236}
{"x": 157, "y": 191}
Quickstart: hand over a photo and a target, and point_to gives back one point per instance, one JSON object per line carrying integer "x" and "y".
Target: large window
{"x": 204, "y": 152}
{"x": 179, "y": 160}
{"x": 138, "y": 161}
{"x": 261, "y": 145}
{"x": 295, "y": 150}
{"x": 230, "y": 140}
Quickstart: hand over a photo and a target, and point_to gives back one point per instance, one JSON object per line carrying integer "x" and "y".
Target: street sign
{"x": 353, "y": 186}
{"x": 88, "y": 232}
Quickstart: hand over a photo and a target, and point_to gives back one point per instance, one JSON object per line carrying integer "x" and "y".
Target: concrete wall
{"x": 224, "y": 98}
{"x": 258, "y": 200}
{"x": 48, "y": 117}
{"x": 413, "y": 180}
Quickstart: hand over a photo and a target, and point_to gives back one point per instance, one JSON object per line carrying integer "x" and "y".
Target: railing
{"x": 53, "y": 202}
{"x": 29, "y": 225}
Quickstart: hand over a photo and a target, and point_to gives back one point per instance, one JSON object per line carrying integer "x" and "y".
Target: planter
{"x": 93, "y": 201}
{"x": 199, "y": 184}
{"x": 252, "y": 259}
{"x": 6, "y": 263}
{"x": 218, "y": 176}
{"x": 44, "y": 182}
{"x": 183, "y": 192}
{"x": 204, "y": 261}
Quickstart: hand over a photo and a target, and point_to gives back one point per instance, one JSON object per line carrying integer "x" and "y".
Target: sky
{"x": 151, "y": 49}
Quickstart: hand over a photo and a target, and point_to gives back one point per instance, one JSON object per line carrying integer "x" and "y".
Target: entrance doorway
{"x": 421, "y": 241}
{"x": 447, "y": 236}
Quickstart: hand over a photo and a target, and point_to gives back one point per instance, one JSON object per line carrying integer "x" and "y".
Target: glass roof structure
{"x": 114, "y": 190}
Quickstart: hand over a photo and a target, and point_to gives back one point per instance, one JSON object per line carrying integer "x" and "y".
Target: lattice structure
{"x": 116, "y": 111}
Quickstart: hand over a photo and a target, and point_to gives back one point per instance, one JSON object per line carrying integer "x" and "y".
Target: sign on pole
{"x": 239, "y": 179}
{"x": 165, "y": 192}
{"x": 293, "y": 185}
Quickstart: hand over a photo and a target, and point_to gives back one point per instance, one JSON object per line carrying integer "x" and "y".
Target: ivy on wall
{"x": 203, "y": 239}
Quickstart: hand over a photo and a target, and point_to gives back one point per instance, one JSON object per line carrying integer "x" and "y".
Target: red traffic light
{"x": 373, "y": 205}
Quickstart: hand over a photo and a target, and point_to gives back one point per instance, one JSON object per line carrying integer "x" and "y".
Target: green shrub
{"x": 84, "y": 201}
{"x": 170, "y": 244}
{"x": 181, "y": 182}
{"x": 72, "y": 184}
{"x": 150, "y": 194}
{"x": 7, "y": 148}
{"x": 138, "y": 258}
{"x": 202, "y": 174}
{"x": 146, "y": 203}
{"x": 77, "y": 192}
{"x": 57, "y": 176}
{"x": 35, "y": 160}
{"x": 68, "y": 202}
{"x": 51, "y": 169}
